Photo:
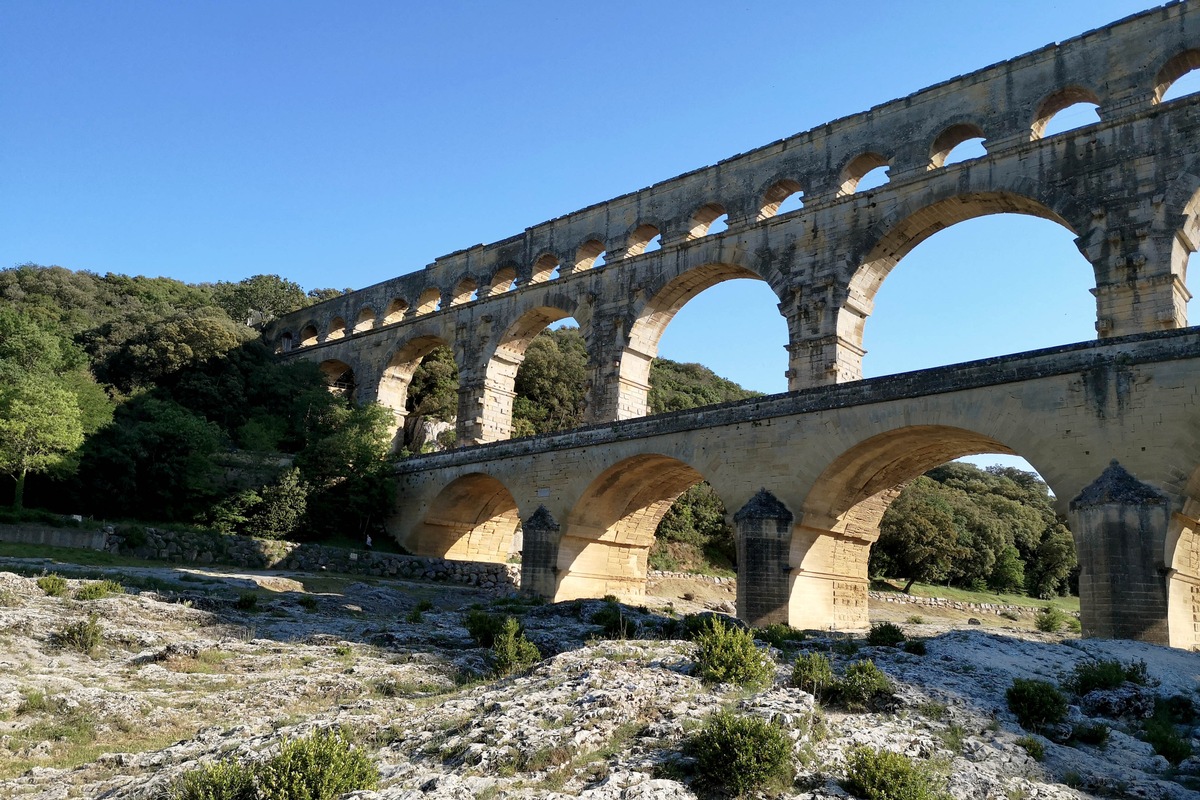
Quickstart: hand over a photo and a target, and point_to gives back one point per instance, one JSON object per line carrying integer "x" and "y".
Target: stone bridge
{"x": 810, "y": 473}
{"x": 1127, "y": 187}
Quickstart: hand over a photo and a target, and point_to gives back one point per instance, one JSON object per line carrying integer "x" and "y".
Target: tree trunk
{"x": 908, "y": 586}
{"x": 19, "y": 492}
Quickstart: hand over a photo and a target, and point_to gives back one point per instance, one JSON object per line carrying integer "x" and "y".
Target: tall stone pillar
{"x": 825, "y": 328}
{"x": 764, "y": 534}
{"x": 539, "y": 554}
{"x": 1120, "y": 526}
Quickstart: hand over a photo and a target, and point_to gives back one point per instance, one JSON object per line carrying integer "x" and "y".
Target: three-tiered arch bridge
{"x": 1112, "y": 425}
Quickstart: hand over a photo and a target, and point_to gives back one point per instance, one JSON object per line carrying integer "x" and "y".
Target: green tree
{"x": 550, "y": 381}
{"x": 433, "y": 390}
{"x": 40, "y": 427}
{"x": 169, "y": 345}
{"x": 675, "y": 387}
{"x": 918, "y": 539}
{"x": 263, "y": 297}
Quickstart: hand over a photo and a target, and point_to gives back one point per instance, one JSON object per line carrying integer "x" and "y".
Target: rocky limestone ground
{"x": 190, "y": 670}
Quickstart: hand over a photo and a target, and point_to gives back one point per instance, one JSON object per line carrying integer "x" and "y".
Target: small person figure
{"x": 368, "y": 541}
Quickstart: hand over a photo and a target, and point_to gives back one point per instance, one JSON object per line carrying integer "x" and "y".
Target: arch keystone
{"x": 764, "y": 530}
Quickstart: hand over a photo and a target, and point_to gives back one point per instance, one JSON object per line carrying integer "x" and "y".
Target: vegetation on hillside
{"x": 152, "y": 399}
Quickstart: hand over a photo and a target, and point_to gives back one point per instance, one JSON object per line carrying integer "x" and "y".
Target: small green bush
{"x": 247, "y": 601}
{"x": 613, "y": 622}
{"x": 511, "y": 651}
{"x": 740, "y": 754}
{"x": 1160, "y": 729}
{"x": 96, "y": 590}
{"x": 321, "y": 766}
{"x": 1049, "y": 620}
{"x": 725, "y": 654}
{"x": 483, "y": 626}
{"x": 885, "y": 634}
{"x": 308, "y": 603}
{"x": 424, "y": 605}
{"x": 813, "y": 673}
{"x": 1009, "y": 615}
{"x": 1093, "y": 733}
{"x": 1033, "y": 746}
{"x": 915, "y": 647}
{"x": 84, "y": 636}
{"x": 883, "y": 775}
{"x": 845, "y": 647}
{"x": 915, "y": 619}
{"x": 1036, "y": 703}
{"x": 223, "y": 780}
{"x": 54, "y": 585}
{"x": 1091, "y": 675}
{"x": 779, "y": 635}
{"x": 863, "y": 683}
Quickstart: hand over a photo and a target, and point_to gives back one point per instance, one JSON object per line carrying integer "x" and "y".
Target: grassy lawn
{"x": 1069, "y": 604}
{"x": 73, "y": 555}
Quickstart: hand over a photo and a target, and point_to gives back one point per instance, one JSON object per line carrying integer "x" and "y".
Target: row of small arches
{"x": 1066, "y": 109}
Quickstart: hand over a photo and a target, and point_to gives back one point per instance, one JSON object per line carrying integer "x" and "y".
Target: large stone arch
{"x": 397, "y": 374}
{"x": 473, "y": 518}
{"x": 650, "y": 319}
{"x": 340, "y": 378}
{"x": 609, "y": 531}
{"x": 840, "y": 515}
{"x": 1182, "y": 558}
{"x": 894, "y": 237}
{"x": 503, "y": 363}
{"x": 1182, "y": 201}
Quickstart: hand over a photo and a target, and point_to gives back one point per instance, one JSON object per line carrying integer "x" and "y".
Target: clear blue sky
{"x": 340, "y": 144}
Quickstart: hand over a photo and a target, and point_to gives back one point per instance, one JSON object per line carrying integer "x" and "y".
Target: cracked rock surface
{"x": 189, "y": 670}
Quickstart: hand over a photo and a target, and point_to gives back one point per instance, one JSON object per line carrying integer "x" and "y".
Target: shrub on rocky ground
{"x": 885, "y": 634}
{"x": 247, "y": 601}
{"x": 483, "y": 626}
{"x": 863, "y": 684}
{"x": 1093, "y": 733}
{"x": 813, "y": 673}
{"x": 1033, "y": 746}
{"x": 84, "y": 636}
{"x": 1105, "y": 674}
{"x": 727, "y": 654}
{"x": 1161, "y": 731}
{"x": 320, "y": 766}
{"x": 779, "y": 635}
{"x": 1036, "y": 703}
{"x": 740, "y": 754}
{"x": 915, "y": 647}
{"x": 883, "y": 775}
{"x": 53, "y": 585}
{"x": 511, "y": 651}
{"x": 96, "y": 590}
{"x": 223, "y": 780}
{"x": 614, "y": 623}
{"x": 1049, "y": 620}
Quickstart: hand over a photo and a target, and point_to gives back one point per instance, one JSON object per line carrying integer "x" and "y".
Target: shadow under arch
{"x": 339, "y": 377}
{"x": 609, "y": 532}
{"x": 909, "y": 228}
{"x": 652, "y": 319}
{"x": 840, "y": 515}
{"x": 502, "y": 366}
{"x": 474, "y": 518}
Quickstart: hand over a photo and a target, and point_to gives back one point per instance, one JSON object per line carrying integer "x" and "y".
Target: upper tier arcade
{"x": 1127, "y": 187}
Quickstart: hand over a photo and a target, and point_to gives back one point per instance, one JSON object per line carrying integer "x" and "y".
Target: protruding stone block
{"x": 764, "y": 531}
{"x": 1120, "y": 527}
{"x": 539, "y": 557}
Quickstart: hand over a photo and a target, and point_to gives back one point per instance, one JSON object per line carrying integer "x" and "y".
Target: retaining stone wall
{"x": 81, "y": 538}
{"x": 198, "y": 548}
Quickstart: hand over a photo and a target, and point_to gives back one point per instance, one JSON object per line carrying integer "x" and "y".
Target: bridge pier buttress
{"x": 829, "y": 582}
{"x": 539, "y": 554}
{"x": 1120, "y": 527}
{"x": 825, "y": 330}
{"x": 764, "y": 532}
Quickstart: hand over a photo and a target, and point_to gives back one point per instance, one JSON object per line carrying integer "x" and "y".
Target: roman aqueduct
{"x": 1112, "y": 425}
